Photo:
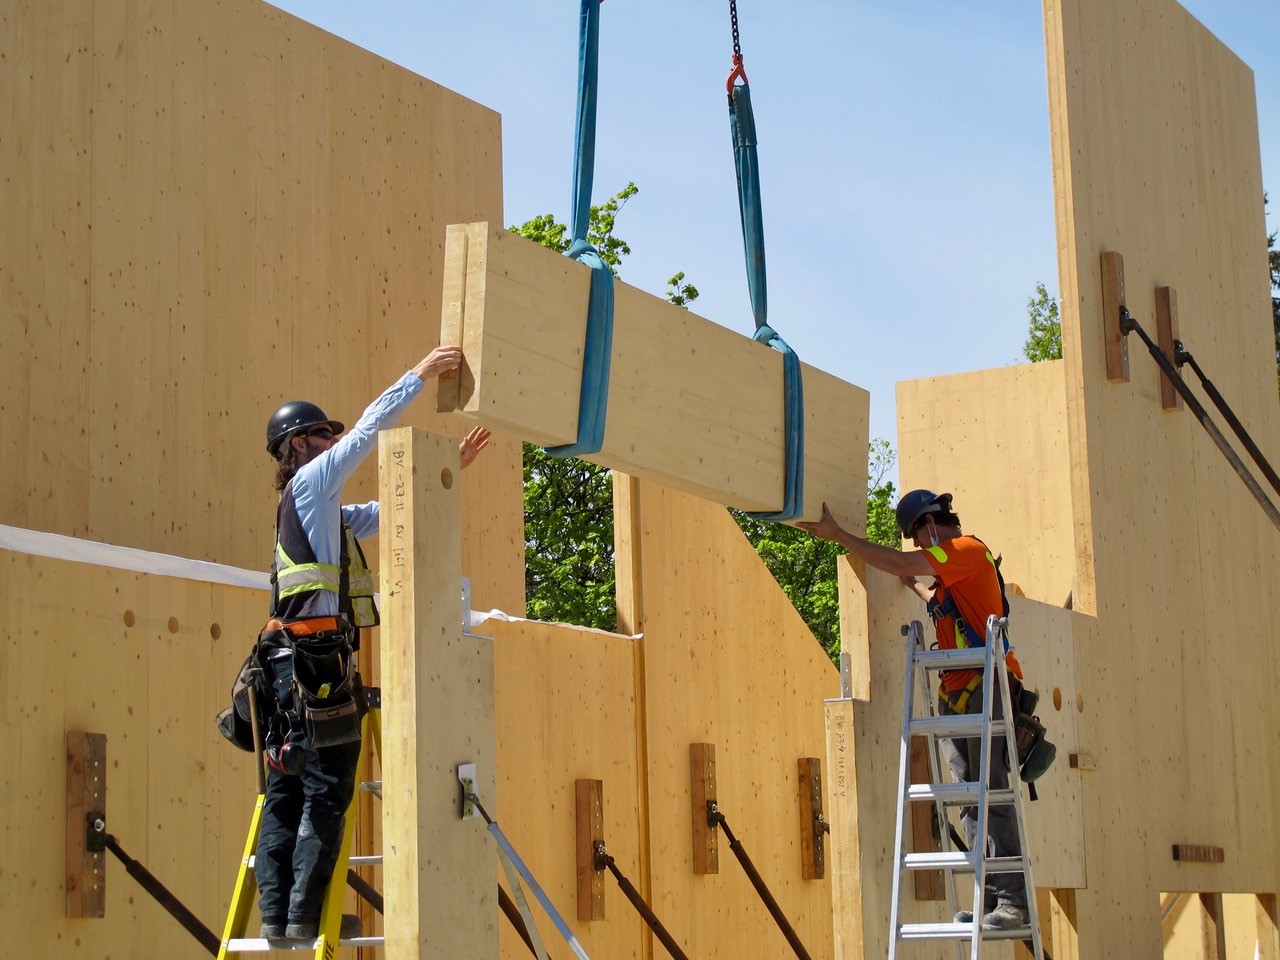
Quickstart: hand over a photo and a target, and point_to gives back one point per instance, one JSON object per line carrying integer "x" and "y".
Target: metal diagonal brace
{"x": 602, "y": 861}
{"x": 515, "y": 869}
{"x": 1181, "y": 356}
{"x": 716, "y": 819}
{"x": 1129, "y": 325}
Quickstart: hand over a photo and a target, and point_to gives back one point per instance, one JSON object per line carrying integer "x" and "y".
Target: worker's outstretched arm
{"x": 899, "y": 563}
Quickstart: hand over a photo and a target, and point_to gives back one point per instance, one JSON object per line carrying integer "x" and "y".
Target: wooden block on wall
{"x": 1117, "y": 344}
{"x": 86, "y": 802}
{"x": 588, "y": 796}
{"x": 813, "y": 822}
{"x": 702, "y": 784}
{"x": 1198, "y": 853}
{"x": 1166, "y": 334}
{"x": 1083, "y": 761}
{"x": 929, "y": 883}
{"x": 519, "y": 312}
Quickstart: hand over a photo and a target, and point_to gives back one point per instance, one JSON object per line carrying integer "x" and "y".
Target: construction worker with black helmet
{"x": 965, "y": 589}
{"x": 322, "y": 595}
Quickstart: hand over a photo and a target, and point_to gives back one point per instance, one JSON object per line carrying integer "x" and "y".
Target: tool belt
{"x": 1035, "y": 753}
{"x": 328, "y": 697}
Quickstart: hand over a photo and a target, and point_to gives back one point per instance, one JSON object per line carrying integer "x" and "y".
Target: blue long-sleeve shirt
{"x": 317, "y": 486}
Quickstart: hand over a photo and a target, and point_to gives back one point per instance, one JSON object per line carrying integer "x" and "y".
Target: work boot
{"x": 302, "y": 929}
{"x": 1006, "y": 916}
{"x": 272, "y": 930}
{"x": 349, "y": 929}
{"x": 963, "y": 916}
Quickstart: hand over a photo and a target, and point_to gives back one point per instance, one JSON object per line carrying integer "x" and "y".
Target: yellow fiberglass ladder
{"x": 324, "y": 947}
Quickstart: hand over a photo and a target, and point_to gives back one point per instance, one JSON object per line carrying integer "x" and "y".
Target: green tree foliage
{"x": 681, "y": 293}
{"x": 1044, "y": 335}
{"x": 568, "y": 540}
{"x": 882, "y": 522}
{"x": 548, "y": 231}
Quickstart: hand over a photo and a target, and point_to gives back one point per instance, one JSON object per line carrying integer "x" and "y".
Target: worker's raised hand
{"x": 439, "y": 360}
{"x": 471, "y": 445}
{"x": 825, "y": 529}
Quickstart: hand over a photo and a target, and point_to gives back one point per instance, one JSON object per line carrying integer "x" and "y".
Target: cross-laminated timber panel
{"x": 1156, "y": 157}
{"x": 212, "y": 208}
{"x": 692, "y": 405}
{"x": 147, "y": 661}
{"x": 724, "y": 659}
{"x": 1001, "y": 449}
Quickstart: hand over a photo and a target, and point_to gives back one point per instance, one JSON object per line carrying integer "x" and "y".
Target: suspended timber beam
{"x": 692, "y": 405}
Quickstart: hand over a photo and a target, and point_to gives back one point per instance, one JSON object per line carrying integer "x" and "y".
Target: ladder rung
{"x": 372, "y": 860}
{"x": 960, "y": 861}
{"x": 259, "y": 945}
{"x": 939, "y": 860}
{"x": 954, "y": 725}
{"x": 958, "y": 931}
{"x": 1006, "y": 864}
{"x": 952, "y": 659}
{"x": 966, "y": 792}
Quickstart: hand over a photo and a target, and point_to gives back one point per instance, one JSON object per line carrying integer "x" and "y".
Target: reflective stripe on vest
{"x": 295, "y": 579}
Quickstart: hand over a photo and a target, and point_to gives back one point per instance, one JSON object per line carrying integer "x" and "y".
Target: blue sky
{"x": 904, "y": 152}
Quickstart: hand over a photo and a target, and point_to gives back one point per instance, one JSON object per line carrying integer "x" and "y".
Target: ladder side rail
{"x": 940, "y": 807}
{"x": 983, "y": 825}
{"x": 996, "y": 630}
{"x": 913, "y": 632}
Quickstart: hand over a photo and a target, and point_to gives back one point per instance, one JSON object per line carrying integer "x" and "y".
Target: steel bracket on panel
{"x": 702, "y": 776}
{"x": 1167, "y": 337}
{"x": 1113, "y": 307}
{"x": 467, "y": 784}
{"x": 813, "y": 822}
{"x": 86, "y": 823}
{"x": 589, "y": 847}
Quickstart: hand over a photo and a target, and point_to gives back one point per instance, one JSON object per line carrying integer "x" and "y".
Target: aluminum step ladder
{"x": 920, "y": 662}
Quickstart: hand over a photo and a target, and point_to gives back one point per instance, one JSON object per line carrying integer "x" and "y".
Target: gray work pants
{"x": 963, "y": 757}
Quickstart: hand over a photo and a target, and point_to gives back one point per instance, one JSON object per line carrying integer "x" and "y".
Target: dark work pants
{"x": 963, "y": 757}
{"x": 302, "y": 819}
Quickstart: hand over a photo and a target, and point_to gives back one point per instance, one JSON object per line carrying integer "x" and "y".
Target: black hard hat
{"x": 916, "y": 504}
{"x": 294, "y": 417}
